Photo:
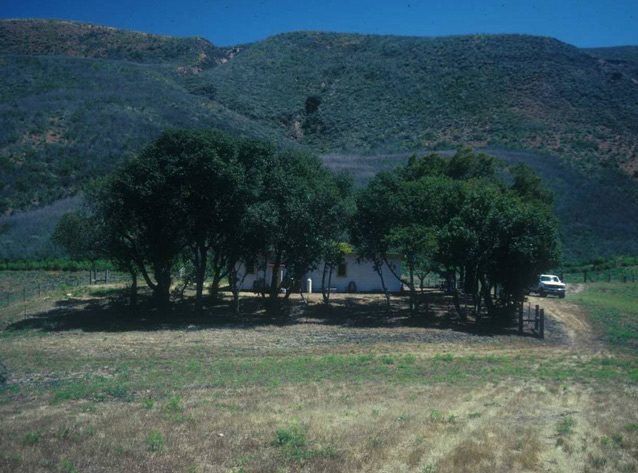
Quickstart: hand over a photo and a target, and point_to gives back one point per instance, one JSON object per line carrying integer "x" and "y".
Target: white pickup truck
{"x": 548, "y": 284}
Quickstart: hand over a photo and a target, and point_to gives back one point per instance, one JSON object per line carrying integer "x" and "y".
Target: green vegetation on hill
{"x": 26, "y": 235}
{"x": 615, "y": 53}
{"x": 69, "y": 38}
{"x": 623, "y": 58}
{"x": 68, "y": 120}
{"x": 362, "y": 93}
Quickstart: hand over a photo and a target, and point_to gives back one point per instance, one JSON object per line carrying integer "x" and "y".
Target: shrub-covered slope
{"x": 67, "y": 120}
{"x": 615, "y": 53}
{"x": 69, "y": 38}
{"x": 354, "y": 92}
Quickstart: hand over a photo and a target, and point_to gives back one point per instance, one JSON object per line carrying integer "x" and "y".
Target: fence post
{"x": 39, "y": 293}
{"x": 542, "y": 330}
{"x": 536, "y": 315}
{"x": 90, "y": 277}
{"x": 520, "y": 319}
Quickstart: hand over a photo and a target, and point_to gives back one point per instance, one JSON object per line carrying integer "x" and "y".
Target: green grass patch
{"x": 565, "y": 426}
{"x": 133, "y": 379}
{"x": 67, "y": 467}
{"x": 96, "y": 388}
{"x": 294, "y": 444}
{"x": 32, "y": 438}
{"x": 155, "y": 441}
{"x": 613, "y": 308}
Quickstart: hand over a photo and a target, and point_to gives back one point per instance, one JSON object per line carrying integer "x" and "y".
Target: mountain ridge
{"x": 92, "y": 41}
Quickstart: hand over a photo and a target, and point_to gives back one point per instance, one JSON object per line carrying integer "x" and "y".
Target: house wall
{"x": 250, "y": 279}
{"x": 363, "y": 274}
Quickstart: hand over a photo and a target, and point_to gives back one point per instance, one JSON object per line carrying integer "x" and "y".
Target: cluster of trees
{"x": 211, "y": 201}
{"x": 468, "y": 216}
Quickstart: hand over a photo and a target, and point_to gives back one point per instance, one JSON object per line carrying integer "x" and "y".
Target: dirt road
{"x": 571, "y": 320}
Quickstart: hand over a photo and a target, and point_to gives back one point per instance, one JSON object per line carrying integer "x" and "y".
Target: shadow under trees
{"x": 110, "y": 312}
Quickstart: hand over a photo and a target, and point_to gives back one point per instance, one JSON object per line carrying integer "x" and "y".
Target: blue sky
{"x": 583, "y": 23}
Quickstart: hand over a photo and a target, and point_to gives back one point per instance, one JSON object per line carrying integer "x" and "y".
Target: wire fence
{"x": 624, "y": 275}
{"x": 23, "y": 286}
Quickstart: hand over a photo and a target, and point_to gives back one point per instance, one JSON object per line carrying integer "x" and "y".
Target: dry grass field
{"x": 95, "y": 388}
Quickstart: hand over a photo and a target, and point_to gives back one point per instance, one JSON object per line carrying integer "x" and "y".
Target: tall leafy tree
{"x": 85, "y": 235}
{"x": 78, "y": 236}
{"x": 212, "y": 177}
{"x": 143, "y": 207}
{"x": 300, "y": 206}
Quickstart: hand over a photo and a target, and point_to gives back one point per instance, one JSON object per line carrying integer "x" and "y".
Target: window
{"x": 342, "y": 270}
{"x": 250, "y": 268}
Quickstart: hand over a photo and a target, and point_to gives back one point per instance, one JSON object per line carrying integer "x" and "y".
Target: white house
{"x": 351, "y": 276}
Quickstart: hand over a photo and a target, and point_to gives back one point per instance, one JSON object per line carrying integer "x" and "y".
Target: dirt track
{"x": 571, "y": 320}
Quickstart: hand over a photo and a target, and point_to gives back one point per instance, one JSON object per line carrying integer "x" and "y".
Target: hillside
{"x": 615, "y": 53}
{"x": 77, "y": 98}
{"x": 88, "y": 97}
{"x": 69, "y": 38}
{"x": 370, "y": 93}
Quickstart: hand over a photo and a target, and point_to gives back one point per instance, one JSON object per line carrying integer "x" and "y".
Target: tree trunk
{"x": 378, "y": 267}
{"x": 142, "y": 267}
{"x": 162, "y": 290}
{"x": 133, "y": 293}
{"x": 233, "y": 279}
{"x": 466, "y": 277}
{"x": 201, "y": 257}
{"x": 457, "y": 306}
{"x": 329, "y": 283}
{"x": 214, "y": 287}
{"x": 412, "y": 288}
{"x": 221, "y": 269}
{"x": 470, "y": 282}
{"x": 274, "y": 280}
{"x": 294, "y": 282}
{"x": 325, "y": 291}
{"x": 487, "y": 296}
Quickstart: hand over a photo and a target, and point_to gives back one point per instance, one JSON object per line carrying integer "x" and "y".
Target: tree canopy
{"x": 460, "y": 215}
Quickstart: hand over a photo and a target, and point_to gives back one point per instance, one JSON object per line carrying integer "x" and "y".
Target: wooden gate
{"x": 534, "y": 319}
